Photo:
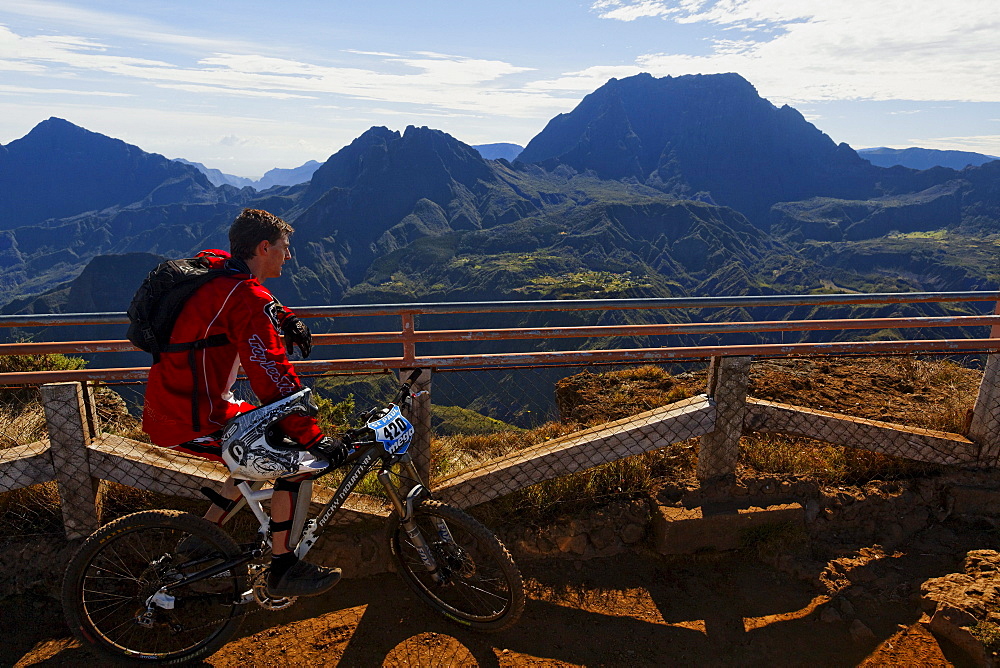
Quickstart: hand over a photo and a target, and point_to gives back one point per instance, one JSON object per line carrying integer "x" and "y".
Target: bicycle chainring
{"x": 264, "y": 599}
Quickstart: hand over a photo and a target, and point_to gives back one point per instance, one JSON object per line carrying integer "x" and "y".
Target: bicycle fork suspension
{"x": 422, "y": 548}
{"x": 405, "y": 508}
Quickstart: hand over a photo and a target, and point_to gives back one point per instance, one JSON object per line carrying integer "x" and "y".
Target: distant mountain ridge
{"x": 217, "y": 177}
{"x": 508, "y": 152}
{"x": 650, "y": 187}
{"x": 271, "y": 178}
{"x": 398, "y": 215}
{"x": 59, "y": 169}
{"x": 703, "y": 137}
{"x": 923, "y": 158}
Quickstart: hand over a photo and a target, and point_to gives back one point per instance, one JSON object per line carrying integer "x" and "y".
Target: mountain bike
{"x": 136, "y": 591}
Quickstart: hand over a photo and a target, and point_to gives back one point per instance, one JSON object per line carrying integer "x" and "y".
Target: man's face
{"x": 272, "y": 257}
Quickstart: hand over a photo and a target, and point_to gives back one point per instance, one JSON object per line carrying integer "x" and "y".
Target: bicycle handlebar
{"x": 356, "y": 438}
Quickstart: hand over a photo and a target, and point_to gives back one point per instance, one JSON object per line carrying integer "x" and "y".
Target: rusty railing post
{"x": 69, "y": 435}
{"x": 407, "y": 329}
{"x": 984, "y": 426}
{"x": 728, "y": 378}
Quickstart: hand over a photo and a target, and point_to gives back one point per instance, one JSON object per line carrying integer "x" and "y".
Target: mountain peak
{"x": 60, "y": 169}
{"x": 700, "y": 133}
{"x": 505, "y": 150}
{"x": 380, "y": 153}
{"x": 54, "y": 132}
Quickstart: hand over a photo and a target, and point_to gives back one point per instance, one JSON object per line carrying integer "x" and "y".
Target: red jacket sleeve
{"x": 255, "y": 326}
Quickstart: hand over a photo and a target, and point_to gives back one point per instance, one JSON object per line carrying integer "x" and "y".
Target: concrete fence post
{"x": 728, "y": 378}
{"x": 69, "y": 435}
{"x": 984, "y": 425}
{"x": 420, "y": 416}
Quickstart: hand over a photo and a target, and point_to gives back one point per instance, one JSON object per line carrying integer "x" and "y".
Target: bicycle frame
{"x": 304, "y": 534}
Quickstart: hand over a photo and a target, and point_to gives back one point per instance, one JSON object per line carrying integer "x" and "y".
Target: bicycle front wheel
{"x": 112, "y": 594}
{"x": 477, "y": 584}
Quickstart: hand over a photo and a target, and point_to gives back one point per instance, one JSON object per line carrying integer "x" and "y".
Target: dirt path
{"x": 638, "y": 609}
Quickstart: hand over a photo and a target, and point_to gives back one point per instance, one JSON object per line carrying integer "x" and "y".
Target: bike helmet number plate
{"x": 393, "y": 431}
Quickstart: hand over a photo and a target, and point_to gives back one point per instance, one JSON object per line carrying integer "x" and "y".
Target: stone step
{"x": 974, "y": 500}
{"x": 686, "y": 530}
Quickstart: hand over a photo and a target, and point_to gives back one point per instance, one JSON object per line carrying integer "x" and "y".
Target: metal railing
{"x": 408, "y": 337}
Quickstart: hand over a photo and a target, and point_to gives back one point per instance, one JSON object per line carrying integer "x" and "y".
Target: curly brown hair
{"x": 253, "y": 226}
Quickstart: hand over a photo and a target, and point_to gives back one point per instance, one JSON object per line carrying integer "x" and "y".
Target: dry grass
{"x": 624, "y": 478}
{"x": 30, "y": 510}
{"x": 114, "y": 418}
{"x": 21, "y": 425}
{"x": 459, "y": 452}
{"x": 36, "y": 509}
{"x": 929, "y": 393}
{"x": 832, "y": 464}
{"x": 934, "y": 394}
{"x": 627, "y": 477}
{"x": 589, "y": 398}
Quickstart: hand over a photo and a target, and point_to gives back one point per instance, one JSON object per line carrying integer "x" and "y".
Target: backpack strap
{"x": 233, "y": 267}
{"x": 210, "y": 342}
{"x": 191, "y": 347}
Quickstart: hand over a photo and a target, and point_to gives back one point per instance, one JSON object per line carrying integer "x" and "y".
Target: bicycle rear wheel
{"x": 479, "y": 584}
{"x": 110, "y": 581}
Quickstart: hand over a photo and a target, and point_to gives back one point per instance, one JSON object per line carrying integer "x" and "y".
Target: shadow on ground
{"x": 639, "y": 609}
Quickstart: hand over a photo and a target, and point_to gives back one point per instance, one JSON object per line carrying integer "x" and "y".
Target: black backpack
{"x": 159, "y": 300}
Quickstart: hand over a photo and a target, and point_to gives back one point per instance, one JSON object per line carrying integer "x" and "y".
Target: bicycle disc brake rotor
{"x": 264, "y": 599}
{"x": 458, "y": 560}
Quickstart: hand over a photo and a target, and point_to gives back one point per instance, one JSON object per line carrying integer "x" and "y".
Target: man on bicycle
{"x": 237, "y": 322}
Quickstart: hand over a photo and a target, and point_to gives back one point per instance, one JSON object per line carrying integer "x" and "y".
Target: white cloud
{"x": 459, "y": 71}
{"x": 630, "y": 11}
{"x": 81, "y": 19}
{"x": 372, "y": 53}
{"x": 809, "y": 50}
{"x": 233, "y": 140}
{"x": 29, "y": 90}
{"x": 223, "y": 90}
{"x": 411, "y": 114}
{"x": 437, "y": 81}
{"x": 585, "y": 80}
{"x": 40, "y": 52}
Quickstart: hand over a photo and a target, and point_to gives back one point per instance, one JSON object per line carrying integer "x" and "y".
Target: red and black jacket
{"x": 189, "y": 393}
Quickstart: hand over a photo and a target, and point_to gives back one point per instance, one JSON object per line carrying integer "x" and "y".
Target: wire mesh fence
{"x": 26, "y": 507}
{"x": 522, "y": 445}
{"x": 925, "y": 394}
{"x": 558, "y": 438}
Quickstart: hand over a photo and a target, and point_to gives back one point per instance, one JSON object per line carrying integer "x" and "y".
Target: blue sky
{"x": 244, "y": 86}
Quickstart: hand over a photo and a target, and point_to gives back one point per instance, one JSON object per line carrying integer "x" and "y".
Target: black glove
{"x": 296, "y": 334}
{"x": 330, "y": 449}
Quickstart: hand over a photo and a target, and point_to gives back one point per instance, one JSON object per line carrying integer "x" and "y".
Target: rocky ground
{"x": 785, "y": 601}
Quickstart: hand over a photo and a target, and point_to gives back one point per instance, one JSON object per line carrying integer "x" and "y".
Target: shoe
{"x": 303, "y": 579}
{"x": 193, "y": 548}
